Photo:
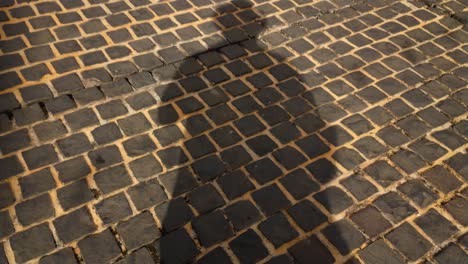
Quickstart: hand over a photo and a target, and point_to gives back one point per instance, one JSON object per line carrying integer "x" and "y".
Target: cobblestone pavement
{"x": 246, "y": 131}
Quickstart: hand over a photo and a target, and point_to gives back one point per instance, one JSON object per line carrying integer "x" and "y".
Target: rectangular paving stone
{"x": 205, "y": 198}
{"x": 456, "y": 208}
{"x": 36, "y": 183}
{"x": 39, "y": 53}
{"x": 105, "y": 156}
{"x": 145, "y": 167}
{"x": 72, "y": 169}
{"x": 74, "y": 194}
{"x": 457, "y": 162}
{"x": 35, "y": 93}
{"x": 93, "y": 57}
{"x": 88, "y": 95}
{"x": 334, "y": 199}
{"x": 10, "y": 61}
{"x": 7, "y": 195}
{"x": 394, "y": 206}
{"x": 9, "y": 102}
{"x": 32, "y": 242}
{"x": 65, "y": 255}
{"x": 40, "y": 37}
{"x": 178, "y": 181}
{"x": 235, "y": 184}
{"x": 344, "y": 236}
{"x": 40, "y": 156}
{"x": 65, "y": 65}
{"x": 254, "y": 251}
{"x": 74, "y": 225}
{"x": 111, "y": 109}
{"x": 106, "y": 133}
{"x": 379, "y": 251}
{"x": 441, "y": 178}
{"x": 6, "y": 227}
{"x": 35, "y": 73}
{"x": 12, "y": 45}
{"x": 407, "y": 160}
{"x": 436, "y": 226}
{"x": 14, "y": 141}
{"x": 371, "y": 221}
{"x": 134, "y": 124}
{"x": 113, "y": 208}
{"x": 359, "y": 186}
{"x": 12, "y": 167}
{"x": 121, "y": 69}
{"x": 307, "y": 215}
{"x": 165, "y": 247}
{"x": 418, "y": 192}
{"x": 60, "y": 104}
{"x": 310, "y": 248}
{"x": 278, "y": 230}
{"x": 69, "y": 17}
{"x": 105, "y": 242}
{"x": 242, "y": 214}
{"x": 140, "y": 256}
{"x": 35, "y": 209}
{"x": 112, "y": 179}
{"x": 172, "y": 156}
{"x": 168, "y": 135}
{"x": 178, "y": 215}
{"x": 212, "y": 228}
{"x": 263, "y": 170}
{"x": 138, "y": 230}
{"x": 323, "y": 170}
{"x": 271, "y": 191}
{"x": 146, "y": 194}
{"x": 15, "y": 29}
{"x": 74, "y": 144}
{"x": 404, "y": 234}
{"x": 81, "y": 119}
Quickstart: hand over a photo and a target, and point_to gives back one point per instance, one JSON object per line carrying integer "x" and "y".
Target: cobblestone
{"x": 244, "y": 131}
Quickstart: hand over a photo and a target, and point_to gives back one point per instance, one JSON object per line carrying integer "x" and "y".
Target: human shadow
{"x": 239, "y": 124}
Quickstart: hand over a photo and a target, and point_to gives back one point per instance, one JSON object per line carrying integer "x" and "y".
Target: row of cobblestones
{"x": 233, "y": 132}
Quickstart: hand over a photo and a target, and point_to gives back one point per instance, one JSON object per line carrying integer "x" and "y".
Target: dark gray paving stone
{"x": 278, "y": 230}
{"x": 146, "y": 194}
{"x": 242, "y": 214}
{"x": 6, "y": 224}
{"x": 378, "y": 251}
{"x": 7, "y": 195}
{"x": 112, "y": 179}
{"x": 176, "y": 247}
{"x": 74, "y": 194}
{"x": 371, "y": 221}
{"x": 113, "y": 209}
{"x": 138, "y": 230}
{"x": 174, "y": 214}
{"x": 344, "y": 236}
{"x": 40, "y": 156}
{"x": 212, "y": 228}
{"x": 65, "y": 256}
{"x": 310, "y": 248}
{"x": 437, "y": 227}
{"x": 100, "y": 247}
{"x": 248, "y": 247}
{"x": 407, "y": 240}
{"x": 74, "y": 225}
{"x": 32, "y": 242}
{"x": 35, "y": 209}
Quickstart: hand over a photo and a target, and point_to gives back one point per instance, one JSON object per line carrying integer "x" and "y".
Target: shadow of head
{"x": 237, "y": 124}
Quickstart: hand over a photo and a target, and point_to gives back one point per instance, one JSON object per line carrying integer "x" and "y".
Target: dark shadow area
{"x": 245, "y": 116}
